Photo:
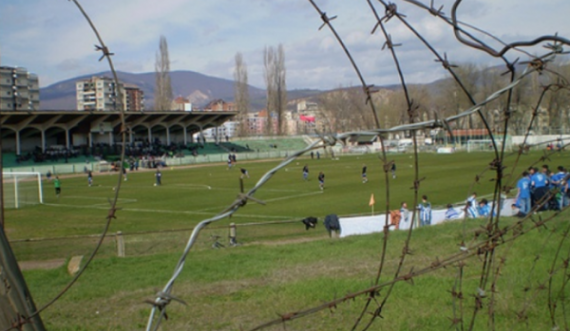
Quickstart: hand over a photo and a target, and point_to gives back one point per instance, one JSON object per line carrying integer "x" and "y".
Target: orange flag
{"x": 372, "y": 202}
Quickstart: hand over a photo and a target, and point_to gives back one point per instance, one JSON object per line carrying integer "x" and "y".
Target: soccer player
{"x": 244, "y": 173}
{"x": 321, "y": 180}
{"x": 89, "y": 178}
{"x": 364, "y": 176}
{"x": 393, "y": 169}
{"x": 306, "y": 172}
{"x": 522, "y": 199}
{"x": 425, "y": 211}
{"x": 124, "y": 172}
{"x": 230, "y": 161}
{"x": 471, "y": 206}
{"x": 484, "y": 208}
{"x": 158, "y": 176}
{"x": 451, "y": 213}
{"x": 57, "y": 186}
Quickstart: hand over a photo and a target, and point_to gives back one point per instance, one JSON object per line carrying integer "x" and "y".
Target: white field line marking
{"x": 293, "y": 196}
{"x": 272, "y": 200}
{"x": 101, "y": 198}
{"x": 195, "y": 186}
{"x": 159, "y": 211}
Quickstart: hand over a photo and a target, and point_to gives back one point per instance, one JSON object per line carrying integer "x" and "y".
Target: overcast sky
{"x": 52, "y": 39}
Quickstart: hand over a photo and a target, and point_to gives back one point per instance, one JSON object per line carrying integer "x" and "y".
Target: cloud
{"x": 53, "y": 40}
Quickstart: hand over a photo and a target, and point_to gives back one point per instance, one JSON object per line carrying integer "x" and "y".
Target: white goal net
{"x": 22, "y": 189}
{"x": 486, "y": 145}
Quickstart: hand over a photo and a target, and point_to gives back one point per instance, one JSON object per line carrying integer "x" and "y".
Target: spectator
{"x": 522, "y": 199}
{"x": 451, "y": 213}
{"x": 471, "y": 206}
{"x": 484, "y": 210}
{"x": 404, "y": 212}
{"x": 539, "y": 187}
{"x": 332, "y": 225}
{"x": 425, "y": 211}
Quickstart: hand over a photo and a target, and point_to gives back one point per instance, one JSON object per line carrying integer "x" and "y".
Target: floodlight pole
{"x": 16, "y": 302}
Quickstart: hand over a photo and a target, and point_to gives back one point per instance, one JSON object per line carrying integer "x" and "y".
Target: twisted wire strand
{"x": 160, "y": 303}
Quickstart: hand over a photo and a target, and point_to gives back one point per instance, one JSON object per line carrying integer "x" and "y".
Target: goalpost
{"x": 486, "y": 145}
{"x": 22, "y": 188}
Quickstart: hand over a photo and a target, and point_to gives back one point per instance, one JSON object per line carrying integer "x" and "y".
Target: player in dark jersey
{"x": 364, "y": 176}
{"x": 321, "y": 180}
{"x": 306, "y": 172}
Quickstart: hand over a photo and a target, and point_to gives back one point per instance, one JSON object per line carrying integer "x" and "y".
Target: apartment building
{"x": 19, "y": 89}
{"x": 134, "y": 98}
{"x": 100, "y": 93}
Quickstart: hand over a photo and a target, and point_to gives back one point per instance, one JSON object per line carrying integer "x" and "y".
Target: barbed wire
{"x": 106, "y": 54}
{"x": 164, "y": 298}
{"x": 495, "y": 236}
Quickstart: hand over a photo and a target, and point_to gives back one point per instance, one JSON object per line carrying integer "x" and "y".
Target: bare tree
{"x": 274, "y": 74}
{"x": 241, "y": 93}
{"x": 163, "y": 88}
{"x": 269, "y": 75}
{"x": 469, "y": 75}
{"x": 281, "y": 90}
{"x": 345, "y": 109}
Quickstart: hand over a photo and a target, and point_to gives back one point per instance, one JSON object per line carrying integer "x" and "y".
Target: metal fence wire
{"x": 469, "y": 304}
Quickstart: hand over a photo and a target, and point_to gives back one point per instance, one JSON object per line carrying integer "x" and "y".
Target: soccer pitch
{"x": 279, "y": 267}
{"x": 190, "y": 195}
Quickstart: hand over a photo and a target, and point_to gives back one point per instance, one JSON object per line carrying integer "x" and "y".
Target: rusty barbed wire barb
{"x": 152, "y": 324}
{"x": 496, "y": 237}
{"x": 390, "y": 11}
{"x": 326, "y": 20}
{"x": 445, "y": 62}
{"x": 104, "y": 50}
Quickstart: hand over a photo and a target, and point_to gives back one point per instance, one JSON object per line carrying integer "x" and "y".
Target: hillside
{"x": 197, "y": 87}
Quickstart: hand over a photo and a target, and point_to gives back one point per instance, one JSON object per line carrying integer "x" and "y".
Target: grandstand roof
{"x": 26, "y": 124}
{"x": 192, "y": 121}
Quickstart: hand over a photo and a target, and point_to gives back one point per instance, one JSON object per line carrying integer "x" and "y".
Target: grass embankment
{"x": 244, "y": 286}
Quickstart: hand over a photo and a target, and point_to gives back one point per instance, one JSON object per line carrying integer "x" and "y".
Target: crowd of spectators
{"x": 51, "y": 154}
{"x": 142, "y": 152}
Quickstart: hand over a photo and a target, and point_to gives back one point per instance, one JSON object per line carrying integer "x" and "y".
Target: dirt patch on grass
{"x": 44, "y": 265}
{"x": 287, "y": 241}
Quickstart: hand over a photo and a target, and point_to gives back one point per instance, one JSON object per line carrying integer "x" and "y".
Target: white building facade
{"x": 19, "y": 89}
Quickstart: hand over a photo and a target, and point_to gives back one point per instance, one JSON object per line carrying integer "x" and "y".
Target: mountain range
{"x": 198, "y": 88}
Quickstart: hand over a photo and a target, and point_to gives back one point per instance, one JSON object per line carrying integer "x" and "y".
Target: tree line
{"x": 346, "y": 109}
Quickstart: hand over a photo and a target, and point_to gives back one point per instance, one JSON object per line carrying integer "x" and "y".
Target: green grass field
{"x": 278, "y": 268}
